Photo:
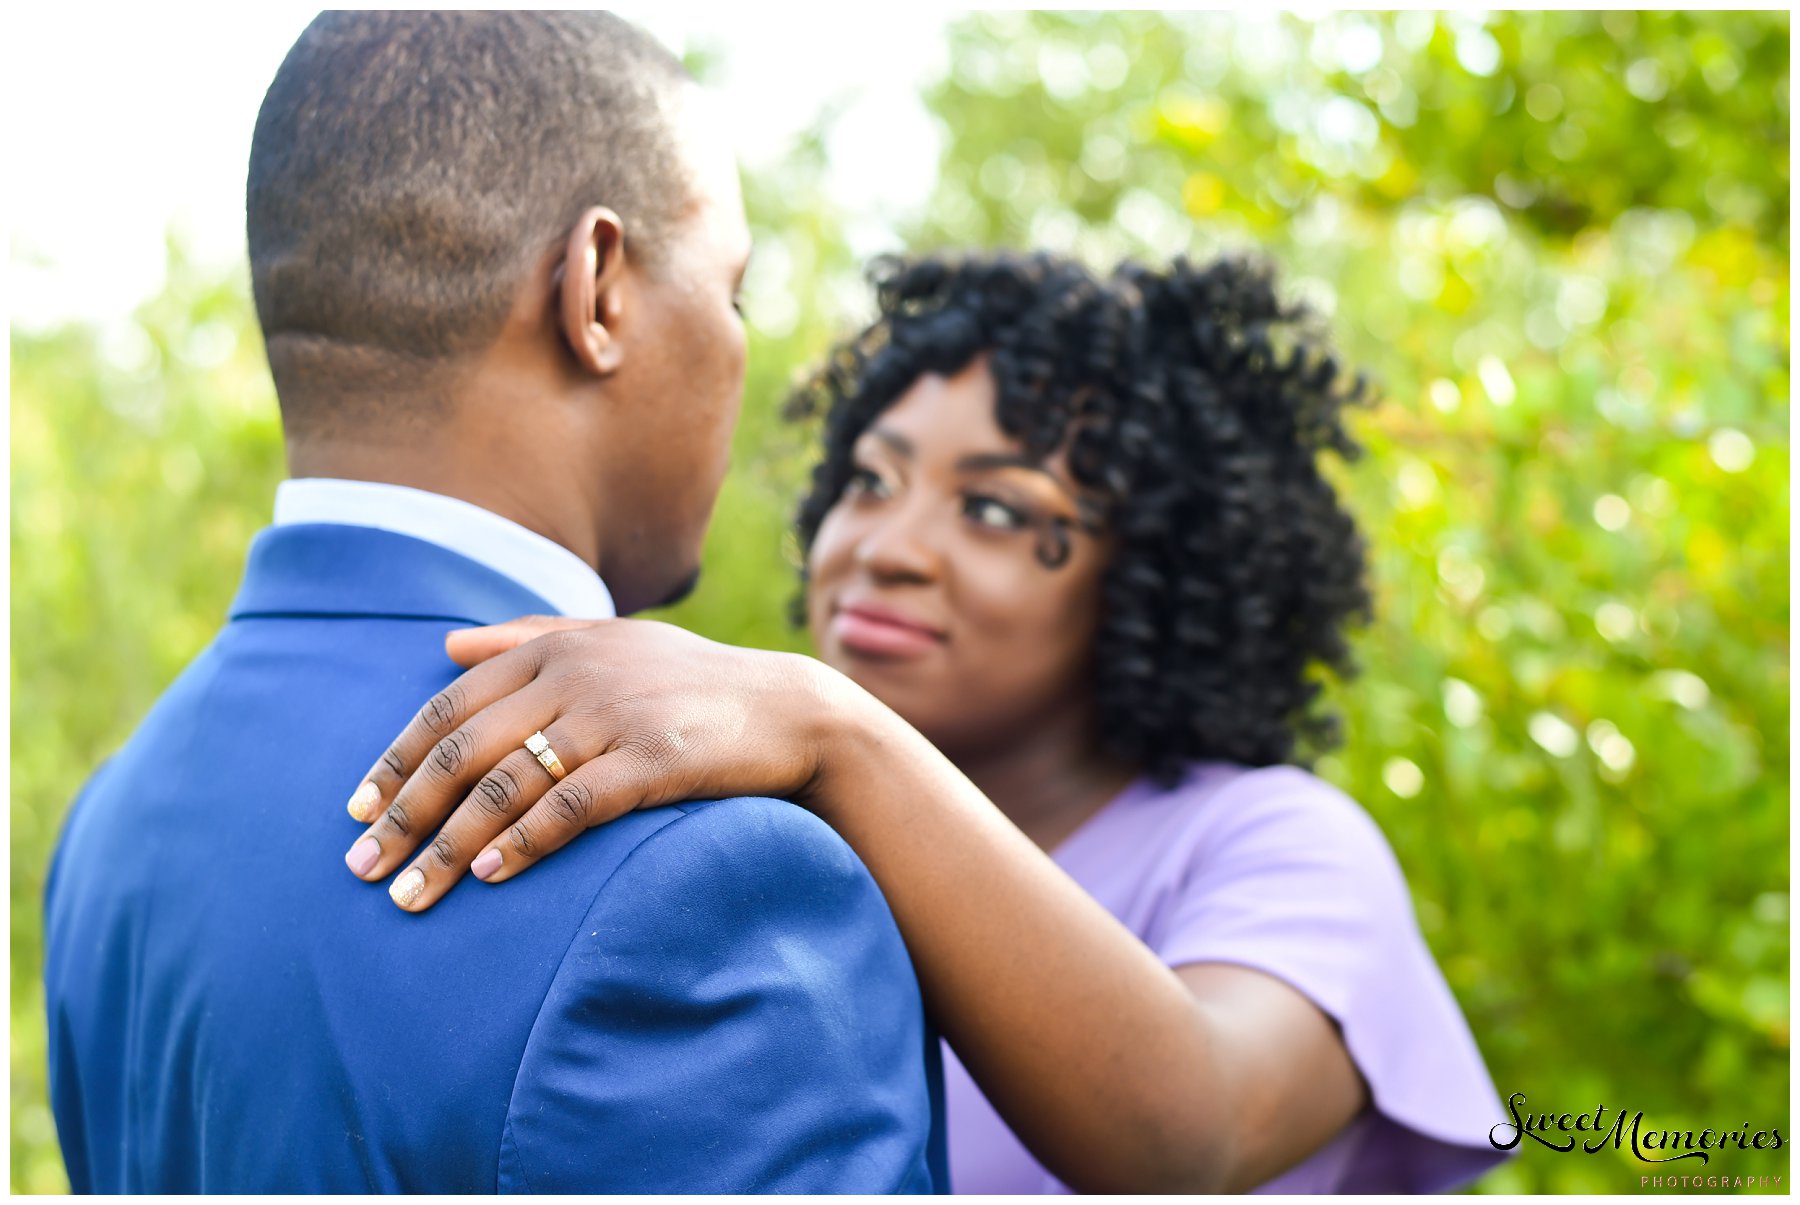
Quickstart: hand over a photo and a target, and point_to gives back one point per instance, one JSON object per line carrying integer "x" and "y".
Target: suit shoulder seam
{"x": 562, "y": 961}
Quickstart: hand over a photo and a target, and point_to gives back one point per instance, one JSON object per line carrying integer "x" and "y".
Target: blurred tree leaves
{"x": 1559, "y": 241}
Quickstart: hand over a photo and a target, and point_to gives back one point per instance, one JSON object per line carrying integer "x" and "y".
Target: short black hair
{"x": 408, "y": 168}
{"x": 1197, "y": 403}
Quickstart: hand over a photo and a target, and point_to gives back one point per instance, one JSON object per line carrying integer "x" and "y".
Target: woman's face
{"x": 927, "y": 585}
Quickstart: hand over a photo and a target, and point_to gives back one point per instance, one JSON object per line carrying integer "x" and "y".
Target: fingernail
{"x": 362, "y": 856}
{"x": 366, "y": 797}
{"x": 486, "y": 864}
{"x": 408, "y": 887}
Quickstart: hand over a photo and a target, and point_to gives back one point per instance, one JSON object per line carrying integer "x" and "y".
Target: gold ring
{"x": 538, "y": 747}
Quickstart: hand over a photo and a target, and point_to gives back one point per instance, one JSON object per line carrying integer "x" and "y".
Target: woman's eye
{"x": 866, "y": 481}
{"x": 991, "y": 512}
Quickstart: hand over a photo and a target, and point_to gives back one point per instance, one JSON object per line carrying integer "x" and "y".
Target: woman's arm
{"x": 1116, "y": 1072}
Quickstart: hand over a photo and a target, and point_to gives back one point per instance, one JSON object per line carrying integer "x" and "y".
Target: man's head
{"x": 496, "y": 255}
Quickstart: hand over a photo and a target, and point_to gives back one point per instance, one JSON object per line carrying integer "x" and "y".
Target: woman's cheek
{"x": 1054, "y": 632}
{"x": 1017, "y": 630}
{"x": 830, "y": 548}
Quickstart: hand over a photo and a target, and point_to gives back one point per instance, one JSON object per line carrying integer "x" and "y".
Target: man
{"x": 495, "y": 259}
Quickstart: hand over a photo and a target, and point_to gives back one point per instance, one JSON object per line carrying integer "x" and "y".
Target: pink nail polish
{"x": 362, "y": 856}
{"x": 486, "y": 864}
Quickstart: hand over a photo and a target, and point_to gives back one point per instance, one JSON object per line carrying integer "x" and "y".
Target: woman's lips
{"x": 877, "y": 633}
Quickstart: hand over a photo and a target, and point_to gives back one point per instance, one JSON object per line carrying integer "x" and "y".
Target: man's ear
{"x": 593, "y": 264}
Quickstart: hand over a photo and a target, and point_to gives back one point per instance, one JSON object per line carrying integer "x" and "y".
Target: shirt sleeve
{"x": 1300, "y": 883}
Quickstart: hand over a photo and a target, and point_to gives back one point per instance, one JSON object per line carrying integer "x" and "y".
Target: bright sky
{"x": 123, "y": 122}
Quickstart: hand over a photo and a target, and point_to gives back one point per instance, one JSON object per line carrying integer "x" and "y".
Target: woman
{"x": 1072, "y": 563}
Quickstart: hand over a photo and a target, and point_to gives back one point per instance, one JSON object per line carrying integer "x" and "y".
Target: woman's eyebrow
{"x": 899, "y": 443}
{"x": 978, "y": 461}
{"x": 975, "y": 462}
{"x": 983, "y": 461}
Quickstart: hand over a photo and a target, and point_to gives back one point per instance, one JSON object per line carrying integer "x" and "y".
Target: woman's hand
{"x": 639, "y": 713}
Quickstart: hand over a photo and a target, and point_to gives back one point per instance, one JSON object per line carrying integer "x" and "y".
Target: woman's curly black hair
{"x": 1197, "y": 404}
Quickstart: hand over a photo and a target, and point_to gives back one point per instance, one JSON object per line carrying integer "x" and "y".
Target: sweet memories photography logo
{"x": 1562, "y": 1132}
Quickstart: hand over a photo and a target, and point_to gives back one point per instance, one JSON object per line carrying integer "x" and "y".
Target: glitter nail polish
{"x": 408, "y": 887}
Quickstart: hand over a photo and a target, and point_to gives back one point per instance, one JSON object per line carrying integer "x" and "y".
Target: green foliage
{"x": 1559, "y": 243}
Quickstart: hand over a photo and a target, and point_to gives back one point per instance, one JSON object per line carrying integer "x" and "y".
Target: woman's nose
{"x": 897, "y": 549}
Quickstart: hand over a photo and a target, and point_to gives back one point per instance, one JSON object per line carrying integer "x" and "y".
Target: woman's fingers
{"x": 436, "y": 722}
{"x": 471, "y": 646}
{"x": 446, "y": 772}
{"x": 500, "y": 796}
{"x": 601, "y": 790}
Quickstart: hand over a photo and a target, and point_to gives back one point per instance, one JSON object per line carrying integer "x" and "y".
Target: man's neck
{"x": 525, "y": 496}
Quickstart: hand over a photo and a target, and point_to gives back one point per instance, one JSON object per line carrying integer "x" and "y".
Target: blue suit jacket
{"x": 708, "y": 997}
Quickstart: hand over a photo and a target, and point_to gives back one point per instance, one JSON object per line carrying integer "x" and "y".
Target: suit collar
{"x": 536, "y": 562}
{"x": 334, "y": 569}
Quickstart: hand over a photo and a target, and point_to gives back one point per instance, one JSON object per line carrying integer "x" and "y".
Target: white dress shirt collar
{"x": 541, "y": 565}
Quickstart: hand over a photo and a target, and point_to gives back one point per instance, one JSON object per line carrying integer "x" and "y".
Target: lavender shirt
{"x": 1276, "y": 869}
